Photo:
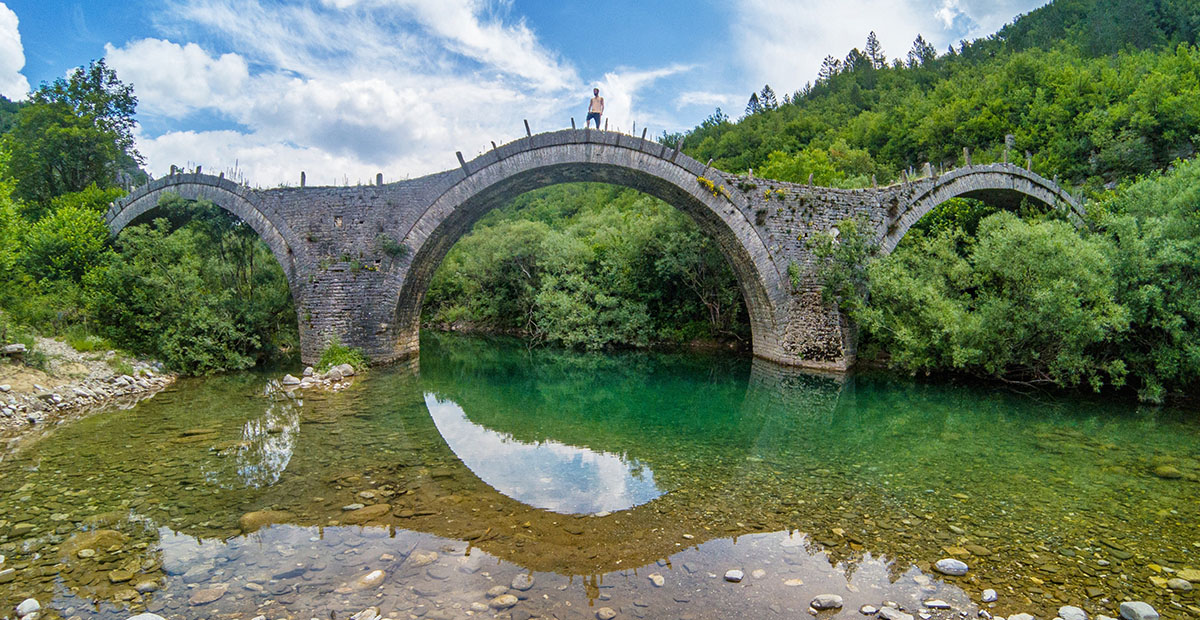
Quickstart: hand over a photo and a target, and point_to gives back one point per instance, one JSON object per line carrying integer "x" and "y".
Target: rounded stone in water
{"x": 952, "y": 567}
{"x": 827, "y": 601}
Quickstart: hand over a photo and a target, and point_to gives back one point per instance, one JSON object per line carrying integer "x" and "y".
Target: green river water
{"x": 582, "y": 483}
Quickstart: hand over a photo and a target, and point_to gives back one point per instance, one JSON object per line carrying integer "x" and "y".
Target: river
{"x": 492, "y": 479}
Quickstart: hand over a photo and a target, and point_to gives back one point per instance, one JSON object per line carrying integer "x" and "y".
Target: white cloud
{"x": 707, "y": 99}
{"x": 782, "y": 42}
{"x": 619, "y": 90}
{"x": 12, "y": 56}
{"x": 173, "y": 80}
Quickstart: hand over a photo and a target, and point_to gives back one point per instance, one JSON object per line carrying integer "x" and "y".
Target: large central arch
{"x": 575, "y": 156}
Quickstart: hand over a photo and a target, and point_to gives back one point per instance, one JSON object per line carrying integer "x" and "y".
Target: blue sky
{"x": 346, "y": 88}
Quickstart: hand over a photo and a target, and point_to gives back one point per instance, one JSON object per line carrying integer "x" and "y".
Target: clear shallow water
{"x": 853, "y": 487}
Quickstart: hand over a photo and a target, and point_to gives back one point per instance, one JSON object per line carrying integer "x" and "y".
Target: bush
{"x": 336, "y": 354}
{"x": 64, "y": 245}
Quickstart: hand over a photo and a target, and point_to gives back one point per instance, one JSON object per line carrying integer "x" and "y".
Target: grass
{"x": 337, "y": 354}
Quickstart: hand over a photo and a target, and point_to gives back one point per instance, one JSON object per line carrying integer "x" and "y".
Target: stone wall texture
{"x": 359, "y": 259}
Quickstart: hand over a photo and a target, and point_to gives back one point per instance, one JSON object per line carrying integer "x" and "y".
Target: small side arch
{"x": 1002, "y": 185}
{"x": 231, "y": 197}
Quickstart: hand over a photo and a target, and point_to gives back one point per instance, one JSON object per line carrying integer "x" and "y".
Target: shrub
{"x": 336, "y": 354}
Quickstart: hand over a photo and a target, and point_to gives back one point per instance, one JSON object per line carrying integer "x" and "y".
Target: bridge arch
{"x": 497, "y": 177}
{"x": 1002, "y": 185}
{"x": 227, "y": 195}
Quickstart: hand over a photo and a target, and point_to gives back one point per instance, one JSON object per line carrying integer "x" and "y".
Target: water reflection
{"x": 546, "y": 474}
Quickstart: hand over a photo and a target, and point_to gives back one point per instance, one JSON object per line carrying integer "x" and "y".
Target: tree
{"x": 829, "y": 68}
{"x": 754, "y": 105}
{"x": 856, "y": 61}
{"x": 96, "y": 93}
{"x": 921, "y": 53}
{"x": 55, "y": 151}
{"x": 767, "y": 98}
{"x": 874, "y": 51}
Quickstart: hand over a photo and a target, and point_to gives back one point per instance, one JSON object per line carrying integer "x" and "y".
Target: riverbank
{"x": 72, "y": 384}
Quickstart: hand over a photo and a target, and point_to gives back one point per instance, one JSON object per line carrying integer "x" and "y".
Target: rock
{"x": 15, "y": 349}
{"x": 606, "y": 613}
{"x": 826, "y": 601}
{"x": 119, "y": 576}
{"x": 6, "y": 388}
{"x": 734, "y": 575}
{"x": 657, "y": 580}
{"x": 758, "y": 573}
{"x": 1071, "y": 612}
{"x": 28, "y": 606}
{"x": 418, "y": 559}
{"x": 95, "y": 539}
{"x": 144, "y": 587}
{"x": 370, "y": 613}
{"x": 1170, "y": 472}
{"x": 791, "y": 583}
{"x": 1137, "y": 610}
{"x": 868, "y": 610}
{"x": 951, "y": 566}
{"x": 290, "y": 380}
{"x": 1177, "y": 584}
{"x": 1021, "y": 617}
{"x": 989, "y": 596}
{"x": 504, "y": 601}
{"x": 197, "y": 573}
{"x": 478, "y": 607}
{"x": 370, "y": 580}
{"x": 366, "y": 513}
{"x": 308, "y": 371}
{"x": 334, "y": 374}
{"x": 253, "y": 521}
{"x": 146, "y": 617}
{"x": 7, "y": 575}
{"x": 522, "y": 582}
{"x": 495, "y": 591}
{"x": 1190, "y": 574}
{"x": 891, "y": 613}
{"x": 353, "y": 507}
{"x": 347, "y": 370}
{"x": 208, "y": 595}
{"x": 937, "y": 603}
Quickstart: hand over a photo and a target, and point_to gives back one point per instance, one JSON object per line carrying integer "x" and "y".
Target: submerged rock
{"x": 606, "y": 613}
{"x": 734, "y": 575}
{"x": 1071, "y": 612}
{"x": 253, "y": 521}
{"x": 370, "y": 580}
{"x": 504, "y": 601}
{"x": 827, "y": 601}
{"x": 952, "y": 567}
{"x": 208, "y": 595}
{"x": 366, "y": 513}
{"x": 891, "y": 613}
{"x": 1137, "y": 610}
{"x": 1170, "y": 472}
{"x": 95, "y": 539}
{"x": 28, "y": 606}
{"x": 989, "y": 596}
{"x": 522, "y": 582}
{"x": 1179, "y": 585}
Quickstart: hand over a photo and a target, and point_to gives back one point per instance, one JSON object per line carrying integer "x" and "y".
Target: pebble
{"x": 937, "y": 603}
{"x": 8, "y": 575}
{"x": 891, "y": 613}
{"x": 1168, "y": 472}
{"x": 355, "y": 506}
{"x": 606, "y": 613}
{"x": 522, "y": 582}
{"x": 1021, "y": 617}
{"x": 478, "y": 607}
{"x": 989, "y": 596}
{"x": 290, "y": 380}
{"x": 28, "y": 606}
{"x": 794, "y": 582}
{"x": 1071, "y": 612}
{"x": 951, "y": 566}
{"x": 826, "y": 601}
{"x": 1180, "y": 585}
{"x": 758, "y": 573}
{"x": 504, "y": 601}
{"x": 734, "y": 575}
{"x": 497, "y": 591}
{"x": 147, "y": 616}
{"x": 370, "y": 613}
{"x": 868, "y": 610}
{"x": 370, "y": 580}
{"x": 1137, "y": 610}
{"x": 146, "y": 586}
{"x": 208, "y": 595}
{"x": 657, "y": 580}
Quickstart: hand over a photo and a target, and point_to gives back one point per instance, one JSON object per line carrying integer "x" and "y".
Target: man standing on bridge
{"x": 595, "y": 109}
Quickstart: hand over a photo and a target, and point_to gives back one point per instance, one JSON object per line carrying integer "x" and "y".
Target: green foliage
{"x": 1029, "y": 302}
{"x": 843, "y": 258}
{"x": 388, "y": 245}
{"x": 590, "y": 266}
{"x": 206, "y": 297}
{"x": 336, "y": 354}
{"x": 1157, "y": 264}
{"x": 64, "y": 245}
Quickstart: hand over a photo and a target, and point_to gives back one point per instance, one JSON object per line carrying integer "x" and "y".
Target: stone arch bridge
{"x": 359, "y": 259}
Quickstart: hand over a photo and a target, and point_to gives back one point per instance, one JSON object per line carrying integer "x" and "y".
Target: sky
{"x": 345, "y": 89}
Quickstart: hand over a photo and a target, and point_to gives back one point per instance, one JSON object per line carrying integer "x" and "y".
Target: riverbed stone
{"x": 28, "y": 606}
{"x": 366, "y": 513}
{"x": 734, "y": 575}
{"x": 1169, "y": 472}
{"x": 1021, "y": 616}
{"x": 951, "y": 566}
{"x": 937, "y": 603}
{"x": 8, "y": 575}
{"x": 657, "y": 580}
{"x": 1179, "y": 585}
{"x": 522, "y": 582}
{"x": 1071, "y": 612}
{"x": 146, "y": 616}
{"x": 868, "y": 610}
{"x": 606, "y": 613}
{"x": 989, "y": 596}
{"x": 253, "y": 521}
{"x": 370, "y": 580}
{"x": 208, "y": 595}
{"x": 1191, "y": 574}
{"x": 1138, "y": 610}
{"x": 891, "y": 613}
{"x": 504, "y": 601}
{"x": 95, "y": 539}
{"x": 826, "y": 601}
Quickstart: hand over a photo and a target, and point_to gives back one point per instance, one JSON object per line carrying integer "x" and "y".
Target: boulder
{"x": 364, "y": 514}
{"x": 16, "y": 349}
{"x": 290, "y": 380}
{"x": 1137, "y": 610}
{"x": 28, "y": 606}
{"x": 253, "y": 521}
